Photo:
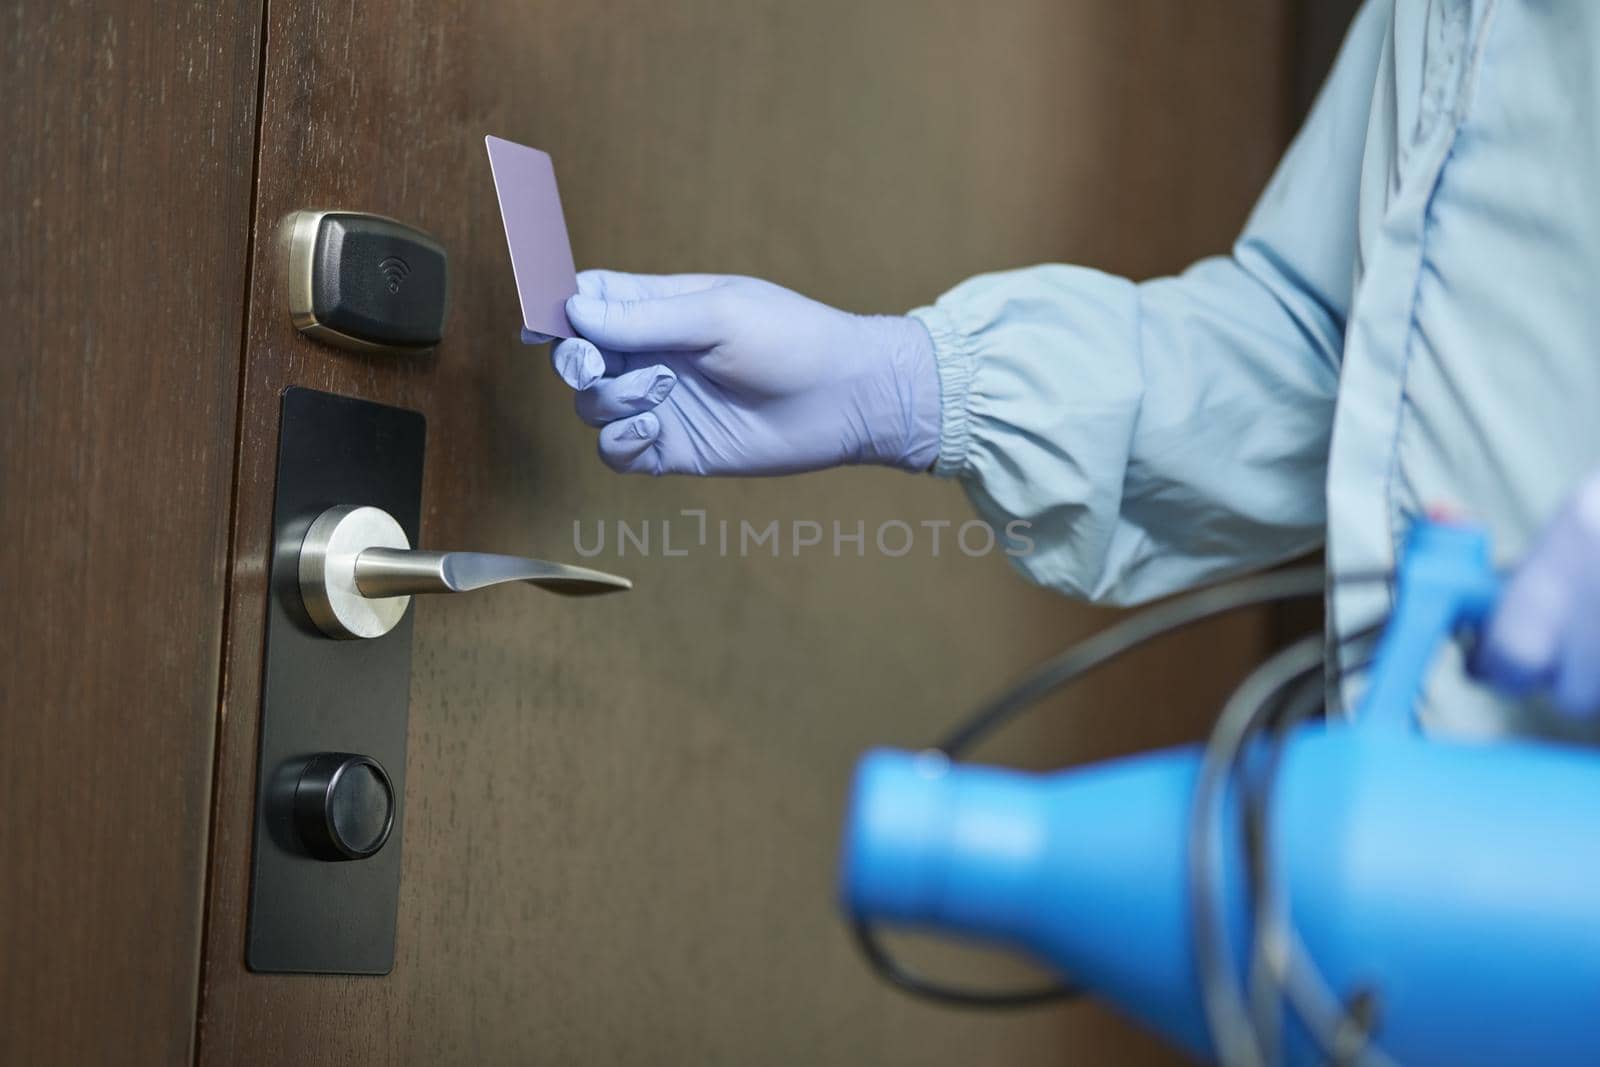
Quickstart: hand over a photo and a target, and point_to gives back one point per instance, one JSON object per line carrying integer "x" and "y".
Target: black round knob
{"x": 343, "y": 806}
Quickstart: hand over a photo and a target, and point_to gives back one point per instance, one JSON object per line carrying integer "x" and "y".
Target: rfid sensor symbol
{"x": 394, "y": 271}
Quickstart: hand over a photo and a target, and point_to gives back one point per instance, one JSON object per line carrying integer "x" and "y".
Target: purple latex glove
{"x": 1544, "y": 634}
{"x": 709, "y": 374}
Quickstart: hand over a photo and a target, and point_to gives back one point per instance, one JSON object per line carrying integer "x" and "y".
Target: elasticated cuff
{"x": 957, "y": 361}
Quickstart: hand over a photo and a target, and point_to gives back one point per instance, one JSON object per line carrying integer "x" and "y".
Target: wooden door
{"x": 621, "y": 825}
{"x": 621, "y": 814}
{"x": 124, "y": 221}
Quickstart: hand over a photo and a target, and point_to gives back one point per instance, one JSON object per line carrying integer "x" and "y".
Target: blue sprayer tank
{"x": 1458, "y": 880}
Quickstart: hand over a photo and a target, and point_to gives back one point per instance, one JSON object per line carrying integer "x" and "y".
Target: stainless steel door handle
{"x": 358, "y": 572}
{"x": 384, "y": 572}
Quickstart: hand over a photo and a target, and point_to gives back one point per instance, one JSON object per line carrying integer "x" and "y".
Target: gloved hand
{"x": 1545, "y": 633}
{"x": 706, "y": 374}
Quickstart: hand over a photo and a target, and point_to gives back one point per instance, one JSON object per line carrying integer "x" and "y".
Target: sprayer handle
{"x": 1446, "y": 581}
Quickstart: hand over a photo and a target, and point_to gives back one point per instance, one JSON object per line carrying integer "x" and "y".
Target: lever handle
{"x": 358, "y": 572}
{"x": 401, "y": 572}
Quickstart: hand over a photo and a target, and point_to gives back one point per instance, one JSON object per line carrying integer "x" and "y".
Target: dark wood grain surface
{"x": 124, "y": 213}
{"x": 622, "y": 813}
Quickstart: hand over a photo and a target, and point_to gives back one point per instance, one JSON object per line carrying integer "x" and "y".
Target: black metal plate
{"x": 310, "y": 915}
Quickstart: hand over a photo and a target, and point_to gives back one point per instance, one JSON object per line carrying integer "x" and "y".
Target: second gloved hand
{"x": 711, "y": 374}
{"x": 1544, "y": 636}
